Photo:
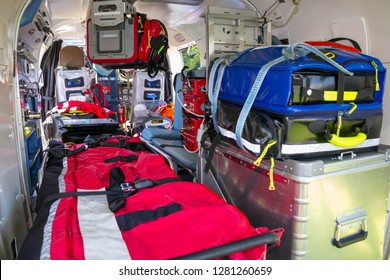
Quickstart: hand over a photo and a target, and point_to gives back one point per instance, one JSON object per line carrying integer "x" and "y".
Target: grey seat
{"x": 168, "y": 141}
{"x": 182, "y": 157}
{"x": 162, "y": 143}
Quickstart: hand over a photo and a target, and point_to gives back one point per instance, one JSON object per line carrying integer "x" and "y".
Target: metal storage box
{"x": 330, "y": 208}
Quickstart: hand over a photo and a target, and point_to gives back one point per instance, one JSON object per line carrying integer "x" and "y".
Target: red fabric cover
{"x": 85, "y": 107}
{"x": 98, "y": 95}
{"x": 152, "y": 29}
{"x": 205, "y": 219}
{"x": 333, "y": 45}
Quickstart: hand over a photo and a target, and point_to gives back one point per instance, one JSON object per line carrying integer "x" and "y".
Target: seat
{"x": 72, "y": 79}
{"x": 168, "y": 141}
{"x": 172, "y": 134}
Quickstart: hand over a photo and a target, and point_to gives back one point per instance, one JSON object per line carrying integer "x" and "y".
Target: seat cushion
{"x": 182, "y": 157}
{"x": 161, "y": 143}
{"x": 168, "y": 134}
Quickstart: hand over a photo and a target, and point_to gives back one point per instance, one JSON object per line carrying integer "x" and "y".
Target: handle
{"x": 347, "y": 142}
{"x": 236, "y": 246}
{"x": 350, "y": 239}
{"x": 351, "y": 227}
{"x": 353, "y": 42}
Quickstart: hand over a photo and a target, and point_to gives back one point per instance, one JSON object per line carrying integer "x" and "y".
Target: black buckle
{"x": 93, "y": 143}
{"x": 128, "y": 187}
{"x": 143, "y": 183}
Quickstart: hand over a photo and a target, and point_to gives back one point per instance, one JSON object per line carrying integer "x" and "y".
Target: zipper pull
{"x": 271, "y": 175}
{"x": 266, "y": 148}
{"x": 377, "y": 87}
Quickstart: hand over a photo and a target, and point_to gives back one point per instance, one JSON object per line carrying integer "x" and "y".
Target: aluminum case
{"x": 330, "y": 207}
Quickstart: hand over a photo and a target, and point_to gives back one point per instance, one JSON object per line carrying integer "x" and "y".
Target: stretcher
{"x": 112, "y": 198}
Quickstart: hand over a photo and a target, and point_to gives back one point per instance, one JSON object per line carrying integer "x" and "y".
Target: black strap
{"x": 129, "y": 158}
{"x": 130, "y": 220}
{"x": 138, "y": 184}
{"x": 60, "y": 152}
{"x": 146, "y": 183}
{"x": 132, "y": 146}
{"x": 353, "y": 42}
{"x": 57, "y": 196}
{"x": 316, "y": 95}
{"x": 212, "y": 148}
{"x": 340, "y": 87}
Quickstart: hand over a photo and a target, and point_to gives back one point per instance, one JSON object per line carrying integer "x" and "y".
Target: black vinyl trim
{"x": 128, "y": 221}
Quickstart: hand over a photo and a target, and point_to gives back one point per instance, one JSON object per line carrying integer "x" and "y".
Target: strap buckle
{"x": 92, "y": 143}
{"x": 143, "y": 183}
{"x": 128, "y": 187}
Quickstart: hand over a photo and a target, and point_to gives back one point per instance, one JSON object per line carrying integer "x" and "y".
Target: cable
{"x": 188, "y": 111}
{"x": 197, "y": 149}
{"x": 158, "y": 52}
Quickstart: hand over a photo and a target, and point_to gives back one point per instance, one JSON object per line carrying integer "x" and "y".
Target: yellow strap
{"x": 140, "y": 22}
{"x": 262, "y": 155}
{"x": 350, "y": 111}
{"x": 339, "y": 124}
{"x": 331, "y": 95}
{"x": 377, "y": 87}
{"x": 75, "y": 111}
{"x": 271, "y": 175}
{"x": 340, "y": 120}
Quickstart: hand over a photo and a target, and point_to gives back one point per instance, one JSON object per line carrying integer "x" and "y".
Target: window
{"x": 191, "y": 56}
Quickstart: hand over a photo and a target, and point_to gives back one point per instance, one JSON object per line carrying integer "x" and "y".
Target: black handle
{"x": 362, "y": 235}
{"x": 237, "y": 246}
{"x": 353, "y": 42}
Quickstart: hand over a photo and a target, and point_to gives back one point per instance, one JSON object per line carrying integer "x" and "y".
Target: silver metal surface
{"x": 308, "y": 197}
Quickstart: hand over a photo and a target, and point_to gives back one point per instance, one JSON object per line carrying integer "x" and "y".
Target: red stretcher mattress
{"x": 170, "y": 219}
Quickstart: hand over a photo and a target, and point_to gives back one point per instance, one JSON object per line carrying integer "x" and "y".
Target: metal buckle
{"x": 127, "y": 187}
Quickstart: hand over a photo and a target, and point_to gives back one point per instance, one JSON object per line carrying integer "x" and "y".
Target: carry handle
{"x": 336, "y": 139}
{"x": 362, "y": 235}
{"x": 352, "y": 219}
{"x": 353, "y": 42}
{"x": 346, "y": 142}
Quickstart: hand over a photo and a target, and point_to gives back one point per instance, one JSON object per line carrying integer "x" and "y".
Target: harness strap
{"x": 340, "y": 87}
{"x": 54, "y": 197}
{"x": 133, "y": 146}
{"x": 251, "y": 98}
{"x": 129, "y": 158}
{"x": 60, "y": 152}
{"x": 212, "y": 148}
{"x": 214, "y": 92}
{"x": 127, "y": 190}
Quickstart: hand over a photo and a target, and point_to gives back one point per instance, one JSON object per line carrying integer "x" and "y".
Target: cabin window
{"x": 191, "y": 56}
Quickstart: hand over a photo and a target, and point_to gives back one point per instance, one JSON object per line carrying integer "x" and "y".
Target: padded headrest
{"x": 71, "y": 56}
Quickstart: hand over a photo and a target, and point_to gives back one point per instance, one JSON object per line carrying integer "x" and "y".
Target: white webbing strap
{"x": 213, "y": 92}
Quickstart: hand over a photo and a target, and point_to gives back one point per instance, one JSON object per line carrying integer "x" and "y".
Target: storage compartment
{"x": 33, "y": 146}
{"x": 322, "y": 87}
{"x": 330, "y": 207}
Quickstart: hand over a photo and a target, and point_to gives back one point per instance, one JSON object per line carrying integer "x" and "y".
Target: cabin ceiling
{"x": 184, "y": 18}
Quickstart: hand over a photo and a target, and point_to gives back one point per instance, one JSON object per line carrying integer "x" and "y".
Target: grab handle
{"x": 351, "y": 227}
{"x": 350, "y": 239}
{"x": 347, "y": 142}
